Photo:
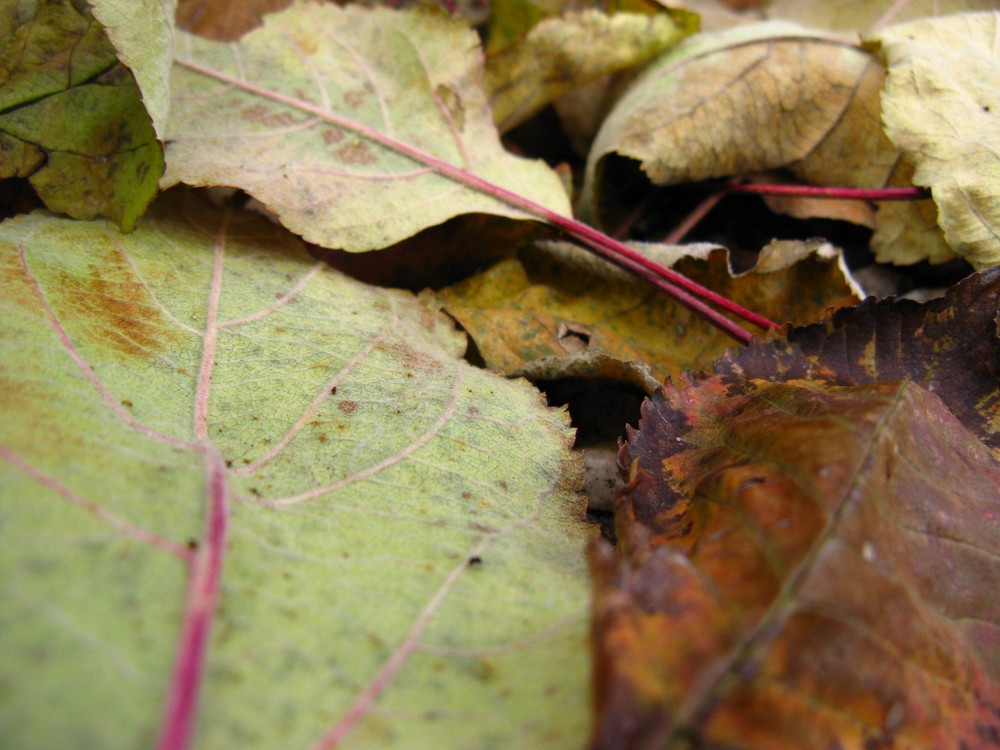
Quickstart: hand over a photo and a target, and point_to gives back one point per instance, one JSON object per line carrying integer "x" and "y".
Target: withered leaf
{"x": 805, "y": 566}
{"x": 947, "y": 345}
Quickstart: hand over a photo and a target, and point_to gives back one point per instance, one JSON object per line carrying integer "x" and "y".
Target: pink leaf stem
{"x": 835, "y": 193}
{"x": 667, "y": 280}
{"x": 202, "y": 597}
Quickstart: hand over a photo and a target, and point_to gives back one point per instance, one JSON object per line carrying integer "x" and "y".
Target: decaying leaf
{"x": 941, "y": 106}
{"x": 555, "y": 302}
{"x": 357, "y": 127}
{"x": 562, "y": 53}
{"x": 377, "y": 541}
{"x": 949, "y": 346}
{"x": 72, "y": 120}
{"x": 804, "y": 566}
{"x": 223, "y": 20}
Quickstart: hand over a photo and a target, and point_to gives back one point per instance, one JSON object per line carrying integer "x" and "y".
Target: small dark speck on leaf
{"x": 333, "y": 390}
{"x": 475, "y": 560}
{"x": 126, "y": 403}
{"x": 192, "y": 544}
{"x": 229, "y": 464}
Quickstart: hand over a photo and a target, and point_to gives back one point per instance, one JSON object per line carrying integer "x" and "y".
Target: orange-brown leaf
{"x": 805, "y": 566}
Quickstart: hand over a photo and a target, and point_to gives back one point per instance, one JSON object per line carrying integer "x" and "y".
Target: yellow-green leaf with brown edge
{"x": 552, "y": 300}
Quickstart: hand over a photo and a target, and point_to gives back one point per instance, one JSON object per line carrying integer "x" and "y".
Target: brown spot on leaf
{"x": 355, "y": 153}
{"x": 347, "y": 406}
{"x": 332, "y": 136}
{"x": 112, "y": 309}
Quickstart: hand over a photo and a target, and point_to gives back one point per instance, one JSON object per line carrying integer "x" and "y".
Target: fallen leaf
{"x": 71, "y": 118}
{"x": 804, "y": 566}
{"x": 527, "y": 308}
{"x": 940, "y": 106}
{"x": 357, "y": 128}
{"x": 745, "y": 100}
{"x": 948, "y": 345}
{"x": 861, "y": 15}
{"x": 244, "y": 494}
{"x": 223, "y": 20}
{"x": 559, "y": 54}
{"x": 142, "y": 33}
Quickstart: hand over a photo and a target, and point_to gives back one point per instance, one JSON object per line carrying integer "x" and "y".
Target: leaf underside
{"x": 203, "y": 392}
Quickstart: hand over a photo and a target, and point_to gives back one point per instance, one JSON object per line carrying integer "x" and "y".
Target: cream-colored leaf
{"x": 941, "y": 106}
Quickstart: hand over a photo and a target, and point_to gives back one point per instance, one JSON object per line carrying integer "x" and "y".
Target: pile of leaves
{"x": 303, "y": 334}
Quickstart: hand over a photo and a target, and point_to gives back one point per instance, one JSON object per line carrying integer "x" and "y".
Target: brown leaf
{"x": 805, "y": 567}
{"x": 224, "y": 21}
{"x": 948, "y": 345}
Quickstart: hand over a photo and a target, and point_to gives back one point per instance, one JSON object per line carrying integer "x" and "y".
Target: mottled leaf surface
{"x": 804, "y": 566}
{"x": 72, "y": 120}
{"x": 556, "y": 301}
{"x": 948, "y": 345}
{"x": 206, "y": 431}
{"x": 357, "y": 127}
{"x": 941, "y": 106}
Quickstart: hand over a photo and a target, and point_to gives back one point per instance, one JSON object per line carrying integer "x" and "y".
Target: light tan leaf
{"x": 941, "y": 106}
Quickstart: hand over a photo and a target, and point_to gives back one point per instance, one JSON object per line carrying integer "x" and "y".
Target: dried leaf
{"x": 941, "y": 107}
{"x": 224, "y": 20}
{"x": 357, "y": 127}
{"x": 948, "y": 345}
{"x": 71, "y": 117}
{"x": 387, "y": 540}
{"x": 749, "y": 99}
{"x": 560, "y": 54}
{"x": 805, "y": 566}
{"x": 554, "y": 301}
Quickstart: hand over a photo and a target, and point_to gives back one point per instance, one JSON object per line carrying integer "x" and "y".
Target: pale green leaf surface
{"x": 142, "y": 32}
{"x": 357, "y": 127}
{"x": 744, "y": 100}
{"x": 941, "y": 106}
{"x": 562, "y": 53}
{"x": 71, "y": 118}
{"x": 206, "y": 362}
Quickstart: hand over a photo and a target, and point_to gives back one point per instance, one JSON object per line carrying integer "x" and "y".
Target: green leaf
{"x": 560, "y": 54}
{"x": 205, "y": 427}
{"x": 357, "y": 127}
{"x": 71, "y": 118}
{"x": 142, "y": 32}
{"x": 941, "y": 107}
